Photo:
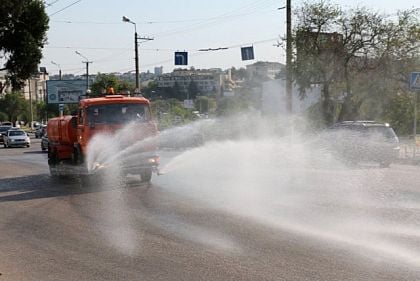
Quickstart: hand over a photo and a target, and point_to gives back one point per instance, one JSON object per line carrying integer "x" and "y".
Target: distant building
{"x": 158, "y": 70}
{"x": 35, "y": 88}
{"x": 263, "y": 70}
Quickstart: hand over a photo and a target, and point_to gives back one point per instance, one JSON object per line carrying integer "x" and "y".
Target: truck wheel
{"x": 146, "y": 175}
{"x": 53, "y": 171}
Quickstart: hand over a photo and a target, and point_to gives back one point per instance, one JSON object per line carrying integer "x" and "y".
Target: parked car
{"x": 40, "y": 131}
{"x": 3, "y": 131}
{"x": 44, "y": 142}
{"x": 16, "y": 137}
{"x": 358, "y": 141}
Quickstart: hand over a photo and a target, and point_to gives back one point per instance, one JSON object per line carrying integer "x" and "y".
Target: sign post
{"x": 415, "y": 86}
{"x": 61, "y": 109}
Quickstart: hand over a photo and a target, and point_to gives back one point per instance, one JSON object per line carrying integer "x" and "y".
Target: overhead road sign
{"x": 247, "y": 53}
{"x": 181, "y": 58}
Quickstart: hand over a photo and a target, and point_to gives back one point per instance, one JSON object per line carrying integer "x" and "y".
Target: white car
{"x": 16, "y": 138}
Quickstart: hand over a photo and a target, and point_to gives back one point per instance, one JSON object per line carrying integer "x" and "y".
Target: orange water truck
{"x": 70, "y": 135}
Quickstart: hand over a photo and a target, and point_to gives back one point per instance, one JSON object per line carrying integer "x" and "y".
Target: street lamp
{"x": 59, "y": 69}
{"x": 136, "y": 50}
{"x": 87, "y": 68}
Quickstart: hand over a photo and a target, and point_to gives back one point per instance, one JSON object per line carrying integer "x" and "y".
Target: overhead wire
{"x": 247, "y": 9}
{"x": 66, "y": 7}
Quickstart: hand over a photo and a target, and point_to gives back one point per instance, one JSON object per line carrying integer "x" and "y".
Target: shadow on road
{"x": 43, "y": 186}
{"x": 35, "y": 152}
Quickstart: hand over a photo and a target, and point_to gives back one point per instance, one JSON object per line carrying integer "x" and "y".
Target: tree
{"x": 354, "y": 55}
{"x": 205, "y": 104}
{"x": 23, "y": 27}
{"x": 103, "y": 81}
{"x": 13, "y": 106}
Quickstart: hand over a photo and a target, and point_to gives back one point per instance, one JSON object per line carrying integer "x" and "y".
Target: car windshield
{"x": 118, "y": 113}
{"x": 16, "y": 133}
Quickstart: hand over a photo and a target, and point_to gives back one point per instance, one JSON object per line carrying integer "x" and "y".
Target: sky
{"x": 94, "y": 28}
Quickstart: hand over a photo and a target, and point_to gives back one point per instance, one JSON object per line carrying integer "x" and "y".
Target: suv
{"x": 357, "y": 141}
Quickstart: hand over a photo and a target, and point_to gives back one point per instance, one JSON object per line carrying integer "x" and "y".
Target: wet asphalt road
{"x": 62, "y": 230}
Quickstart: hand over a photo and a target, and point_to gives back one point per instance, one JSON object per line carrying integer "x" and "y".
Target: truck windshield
{"x": 118, "y": 113}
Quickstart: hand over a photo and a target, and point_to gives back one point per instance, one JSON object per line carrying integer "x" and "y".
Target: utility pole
{"x": 59, "y": 69}
{"x": 289, "y": 103}
{"x": 87, "y": 68}
{"x": 136, "y": 51}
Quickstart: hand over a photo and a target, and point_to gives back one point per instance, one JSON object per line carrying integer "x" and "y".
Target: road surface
{"x": 186, "y": 226}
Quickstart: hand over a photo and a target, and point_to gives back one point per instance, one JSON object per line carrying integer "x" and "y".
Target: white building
{"x": 34, "y": 88}
{"x": 264, "y": 70}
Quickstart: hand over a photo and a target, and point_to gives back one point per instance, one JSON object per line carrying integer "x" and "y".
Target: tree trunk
{"x": 348, "y": 110}
{"x": 327, "y": 108}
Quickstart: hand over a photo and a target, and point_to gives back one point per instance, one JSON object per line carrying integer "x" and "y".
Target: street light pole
{"x": 59, "y": 69}
{"x": 136, "y": 51}
{"x": 136, "y": 47}
{"x": 87, "y": 69}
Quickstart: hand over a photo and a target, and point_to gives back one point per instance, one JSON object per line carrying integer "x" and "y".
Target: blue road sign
{"x": 247, "y": 53}
{"x": 415, "y": 80}
{"x": 181, "y": 58}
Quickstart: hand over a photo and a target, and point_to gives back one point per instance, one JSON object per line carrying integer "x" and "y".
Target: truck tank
{"x": 62, "y": 130}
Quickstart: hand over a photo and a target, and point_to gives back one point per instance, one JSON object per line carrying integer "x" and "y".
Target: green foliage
{"x": 170, "y": 112}
{"x": 23, "y": 27}
{"x": 205, "y": 104}
{"x": 14, "y": 105}
{"x": 150, "y": 91}
{"x": 103, "y": 81}
{"x": 400, "y": 114}
{"x": 361, "y": 73}
{"x": 3, "y": 116}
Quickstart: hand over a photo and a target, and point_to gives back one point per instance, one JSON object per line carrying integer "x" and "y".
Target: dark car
{"x": 3, "y": 131}
{"x": 40, "y": 131}
{"x": 44, "y": 142}
{"x": 358, "y": 141}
